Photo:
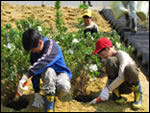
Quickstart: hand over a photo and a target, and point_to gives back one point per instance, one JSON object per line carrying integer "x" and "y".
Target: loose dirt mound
{"x": 68, "y": 104}
{"x": 11, "y": 13}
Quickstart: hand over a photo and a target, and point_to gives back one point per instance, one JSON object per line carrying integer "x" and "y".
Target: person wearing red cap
{"x": 122, "y": 74}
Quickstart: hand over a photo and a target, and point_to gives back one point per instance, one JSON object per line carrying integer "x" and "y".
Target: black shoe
{"x": 134, "y": 26}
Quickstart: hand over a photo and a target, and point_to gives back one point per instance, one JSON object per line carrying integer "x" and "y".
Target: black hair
{"x": 30, "y": 39}
{"x": 86, "y": 16}
{"x": 102, "y": 50}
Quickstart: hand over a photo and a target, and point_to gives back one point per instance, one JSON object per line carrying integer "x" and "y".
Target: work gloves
{"x": 22, "y": 86}
{"x": 38, "y": 101}
{"x": 104, "y": 95}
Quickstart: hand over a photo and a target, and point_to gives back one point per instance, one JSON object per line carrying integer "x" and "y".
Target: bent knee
{"x": 63, "y": 83}
{"x": 64, "y": 87}
{"x": 63, "y": 90}
{"x": 131, "y": 74}
{"x": 131, "y": 69}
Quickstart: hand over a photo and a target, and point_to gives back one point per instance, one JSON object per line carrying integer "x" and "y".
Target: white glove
{"x": 38, "y": 101}
{"x": 104, "y": 95}
{"x": 22, "y": 86}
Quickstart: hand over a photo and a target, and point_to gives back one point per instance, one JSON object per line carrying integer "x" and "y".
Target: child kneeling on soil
{"x": 122, "y": 74}
{"x": 47, "y": 63}
{"x": 89, "y": 25}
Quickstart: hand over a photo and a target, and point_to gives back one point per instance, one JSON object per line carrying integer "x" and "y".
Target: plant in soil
{"x": 76, "y": 48}
{"x": 59, "y": 21}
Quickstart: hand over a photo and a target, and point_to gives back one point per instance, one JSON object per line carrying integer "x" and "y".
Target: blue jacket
{"x": 51, "y": 56}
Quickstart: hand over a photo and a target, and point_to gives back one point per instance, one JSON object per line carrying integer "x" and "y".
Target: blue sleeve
{"x": 49, "y": 57}
{"x": 36, "y": 83}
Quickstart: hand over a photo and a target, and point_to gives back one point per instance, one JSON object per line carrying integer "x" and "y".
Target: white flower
{"x": 118, "y": 44}
{"x": 10, "y": 46}
{"x": 39, "y": 28}
{"x": 57, "y": 42}
{"x": 92, "y": 38}
{"x": 70, "y": 51}
{"x": 93, "y": 67}
{"x": 75, "y": 41}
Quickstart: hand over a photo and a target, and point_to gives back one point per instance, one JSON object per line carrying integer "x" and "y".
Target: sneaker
{"x": 134, "y": 29}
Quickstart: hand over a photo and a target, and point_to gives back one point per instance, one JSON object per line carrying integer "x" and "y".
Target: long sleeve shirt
{"x": 51, "y": 56}
{"x": 124, "y": 60}
{"x": 93, "y": 28}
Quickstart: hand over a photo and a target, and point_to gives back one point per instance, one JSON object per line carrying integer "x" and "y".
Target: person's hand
{"x": 22, "y": 86}
{"x": 104, "y": 95}
{"x": 38, "y": 101}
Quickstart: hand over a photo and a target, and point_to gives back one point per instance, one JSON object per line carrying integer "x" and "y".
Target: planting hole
{"x": 18, "y": 104}
{"x": 84, "y": 98}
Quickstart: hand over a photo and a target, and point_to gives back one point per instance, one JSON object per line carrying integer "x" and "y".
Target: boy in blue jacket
{"x": 47, "y": 63}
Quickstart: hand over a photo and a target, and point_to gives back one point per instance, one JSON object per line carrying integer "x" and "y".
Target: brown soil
{"x": 68, "y": 104}
{"x": 11, "y": 13}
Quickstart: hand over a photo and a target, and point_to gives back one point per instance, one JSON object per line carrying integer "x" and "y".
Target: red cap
{"x": 101, "y": 44}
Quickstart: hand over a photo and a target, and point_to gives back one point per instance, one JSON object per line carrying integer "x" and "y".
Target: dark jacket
{"x": 51, "y": 56}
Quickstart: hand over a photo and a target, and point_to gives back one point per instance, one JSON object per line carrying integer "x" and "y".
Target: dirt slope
{"x": 11, "y": 13}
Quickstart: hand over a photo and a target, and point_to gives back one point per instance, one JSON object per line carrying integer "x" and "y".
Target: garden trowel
{"x": 19, "y": 92}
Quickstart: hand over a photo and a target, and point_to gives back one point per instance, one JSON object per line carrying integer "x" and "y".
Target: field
{"x": 15, "y": 62}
